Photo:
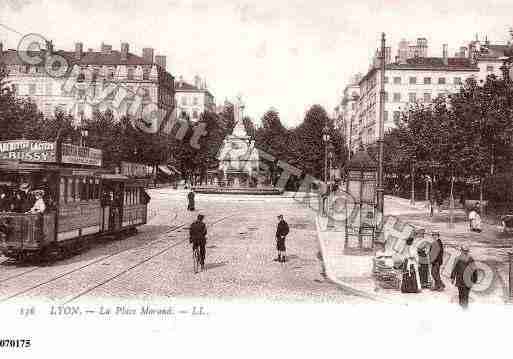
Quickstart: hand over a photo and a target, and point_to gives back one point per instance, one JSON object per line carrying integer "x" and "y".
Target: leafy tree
{"x": 19, "y": 118}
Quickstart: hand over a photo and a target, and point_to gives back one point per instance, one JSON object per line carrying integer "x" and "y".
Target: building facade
{"x": 349, "y": 125}
{"x": 193, "y": 100}
{"x": 412, "y": 78}
{"x": 98, "y": 80}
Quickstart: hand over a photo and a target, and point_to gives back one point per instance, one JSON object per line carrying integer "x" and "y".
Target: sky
{"x": 278, "y": 54}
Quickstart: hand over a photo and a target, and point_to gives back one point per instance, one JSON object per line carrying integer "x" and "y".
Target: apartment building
{"x": 193, "y": 99}
{"x": 145, "y": 76}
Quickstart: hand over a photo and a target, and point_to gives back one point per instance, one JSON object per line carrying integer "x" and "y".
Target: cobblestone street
{"x": 157, "y": 262}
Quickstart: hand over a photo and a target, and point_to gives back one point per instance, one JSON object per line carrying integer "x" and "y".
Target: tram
{"x": 82, "y": 199}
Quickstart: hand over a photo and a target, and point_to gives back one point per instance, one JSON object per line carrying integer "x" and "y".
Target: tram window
{"x": 62, "y": 190}
{"x": 70, "y": 189}
{"x": 83, "y": 189}
{"x": 97, "y": 189}
{"x": 77, "y": 190}
{"x": 90, "y": 189}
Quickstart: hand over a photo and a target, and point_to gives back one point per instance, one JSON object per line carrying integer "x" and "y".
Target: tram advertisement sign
{"x": 81, "y": 155}
{"x": 131, "y": 169}
{"x": 27, "y": 150}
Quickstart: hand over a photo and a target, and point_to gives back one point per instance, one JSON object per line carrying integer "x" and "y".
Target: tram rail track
{"x": 161, "y": 238}
{"x": 21, "y": 274}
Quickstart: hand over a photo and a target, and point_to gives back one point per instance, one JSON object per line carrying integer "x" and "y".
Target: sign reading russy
{"x": 41, "y": 151}
{"x": 27, "y": 150}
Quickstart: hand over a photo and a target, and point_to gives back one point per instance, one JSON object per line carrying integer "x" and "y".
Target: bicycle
{"x": 196, "y": 259}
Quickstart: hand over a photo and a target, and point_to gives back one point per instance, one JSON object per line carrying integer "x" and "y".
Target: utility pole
{"x": 381, "y": 129}
{"x": 412, "y": 175}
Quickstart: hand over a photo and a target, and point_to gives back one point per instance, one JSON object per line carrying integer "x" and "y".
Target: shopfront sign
{"x": 81, "y": 155}
{"x": 27, "y": 150}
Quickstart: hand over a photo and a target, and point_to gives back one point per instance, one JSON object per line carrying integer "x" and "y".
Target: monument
{"x": 239, "y": 169}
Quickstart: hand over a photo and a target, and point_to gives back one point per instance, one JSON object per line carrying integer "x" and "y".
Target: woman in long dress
{"x": 475, "y": 220}
{"x": 411, "y": 281}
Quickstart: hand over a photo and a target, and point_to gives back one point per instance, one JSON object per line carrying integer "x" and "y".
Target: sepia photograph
{"x": 241, "y": 178}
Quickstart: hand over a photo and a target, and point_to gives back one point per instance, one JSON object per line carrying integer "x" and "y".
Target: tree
{"x": 19, "y": 118}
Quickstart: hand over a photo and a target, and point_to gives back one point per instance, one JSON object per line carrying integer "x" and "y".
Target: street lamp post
{"x": 326, "y": 139}
{"x": 84, "y": 132}
{"x": 330, "y": 166}
{"x": 381, "y": 129}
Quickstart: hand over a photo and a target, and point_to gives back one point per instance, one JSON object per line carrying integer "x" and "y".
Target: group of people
{"x": 22, "y": 200}
{"x": 418, "y": 259}
{"x": 416, "y": 265}
{"x": 198, "y": 238}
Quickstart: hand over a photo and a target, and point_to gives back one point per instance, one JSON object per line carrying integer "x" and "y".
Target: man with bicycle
{"x": 198, "y": 239}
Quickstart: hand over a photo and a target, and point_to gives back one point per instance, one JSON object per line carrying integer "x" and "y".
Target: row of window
{"x": 412, "y": 97}
{"x": 132, "y": 196}
{"x": 185, "y": 101}
{"x": 396, "y": 116}
{"x": 47, "y": 89}
{"x": 412, "y": 80}
{"x": 81, "y": 189}
{"x": 195, "y": 114}
{"x": 78, "y": 189}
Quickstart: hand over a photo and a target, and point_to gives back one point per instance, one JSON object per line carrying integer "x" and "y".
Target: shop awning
{"x": 169, "y": 170}
{"x": 166, "y": 170}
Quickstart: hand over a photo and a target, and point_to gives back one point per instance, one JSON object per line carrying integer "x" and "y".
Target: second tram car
{"x": 82, "y": 199}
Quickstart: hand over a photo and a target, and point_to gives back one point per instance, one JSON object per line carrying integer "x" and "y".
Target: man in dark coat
{"x": 436, "y": 255}
{"x": 281, "y": 232}
{"x": 190, "y": 200}
{"x": 4, "y": 199}
{"x": 198, "y": 238}
{"x": 23, "y": 200}
{"x": 464, "y": 275}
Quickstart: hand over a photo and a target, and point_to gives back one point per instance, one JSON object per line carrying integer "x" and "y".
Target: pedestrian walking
{"x": 423, "y": 265}
{"x": 464, "y": 275}
{"x": 474, "y": 218}
{"x": 198, "y": 238}
{"x": 281, "y": 232}
{"x": 410, "y": 282}
{"x": 436, "y": 255}
{"x": 190, "y": 200}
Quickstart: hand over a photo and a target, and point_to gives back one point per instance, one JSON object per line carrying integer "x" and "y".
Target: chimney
{"x": 180, "y": 81}
{"x": 106, "y": 48}
{"x": 79, "y": 50}
{"x": 161, "y": 61}
{"x": 444, "y": 55}
{"x": 463, "y": 51}
{"x": 1, "y": 47}
{"x": 197, "y": 82}
{"x": 147, "y": 54}
{"x": 49, "y": 47}
{"x": 124, "y": 51}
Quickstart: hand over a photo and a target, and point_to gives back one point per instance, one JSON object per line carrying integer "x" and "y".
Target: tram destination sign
{"x": 27, "y": 150}
{"x": 81, "y": 155}
{"x": 136, "y": 170}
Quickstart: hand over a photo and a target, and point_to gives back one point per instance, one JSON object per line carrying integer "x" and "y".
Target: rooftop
{"x": 429, "y": 63}
{"x": 111, "y": 57}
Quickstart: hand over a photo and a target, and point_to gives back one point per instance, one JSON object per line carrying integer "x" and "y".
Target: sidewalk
{"x": 354, "y": 273}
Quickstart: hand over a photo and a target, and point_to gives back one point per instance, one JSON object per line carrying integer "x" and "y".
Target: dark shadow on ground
{"x": 215, "y": 265}
{"x": 103, "y": 246}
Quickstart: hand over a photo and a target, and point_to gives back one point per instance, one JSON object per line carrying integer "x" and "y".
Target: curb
{"x": 340, "y": 283}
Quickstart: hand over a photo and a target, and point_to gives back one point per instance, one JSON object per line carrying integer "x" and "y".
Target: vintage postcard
{"x": 237, "y": 178}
